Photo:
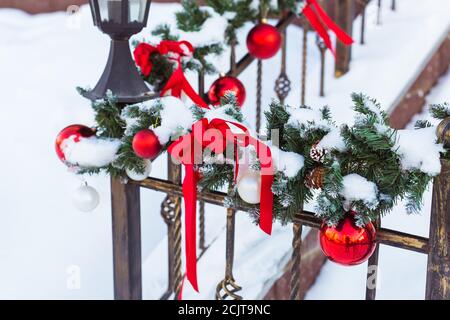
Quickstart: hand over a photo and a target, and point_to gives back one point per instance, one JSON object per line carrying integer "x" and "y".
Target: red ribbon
{"x": 189, "y": 151}
{"x": 177, "y": 82}
{"x": 319, "y": 20}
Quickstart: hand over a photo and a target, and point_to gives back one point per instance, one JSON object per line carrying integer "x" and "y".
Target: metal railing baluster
{"x": 283, "y": 84}
{"x": 372, "y": 270}
{"x": 304, "y": 61}
{"x": 228, "y": 287}
{"x": 438, "y": 268}
{"x": 379, "y": 12}
{"x": 362, "y": 39}
{"x": 322, "y": 48}
{"x": 201, "y": 207}
{"x": 258, "y": 95}
{"x": 296, "y": 260}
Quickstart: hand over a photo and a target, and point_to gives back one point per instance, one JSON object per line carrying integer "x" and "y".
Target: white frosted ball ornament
{"x": 249, "y": 188}
{"x": 133, "y": 175}
{"x": 86, "y": 198}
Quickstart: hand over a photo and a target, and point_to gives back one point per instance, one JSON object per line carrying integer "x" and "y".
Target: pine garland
{"x": 369, "y": 152}
{"x": 110, "y": 119}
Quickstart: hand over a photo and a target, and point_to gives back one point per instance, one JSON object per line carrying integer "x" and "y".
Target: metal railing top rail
{"x": 307, "y": 218}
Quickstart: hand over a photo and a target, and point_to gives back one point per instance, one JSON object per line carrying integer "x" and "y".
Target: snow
{"x": 176, "y": 120}
{"x": 357, "y": 188}
{"x": 373, "y": 107}
{"x": 333, "y": 141}
{"x": 381, "y": 68}
{"x": 439, "y": 94}
{"x": 90, "y": 152}
{"x": 308, "y": 118}
{"x": 290, "y": 163}
{"x": 219, "y": 113}
{"x": 256, "y": 4}
{"x": 46, "y": 245}
{"x": 203, "y": 37}
{"x": 419, "y": 150}
{"x": 249, "y": 271}
{"x": 146, "y": 106}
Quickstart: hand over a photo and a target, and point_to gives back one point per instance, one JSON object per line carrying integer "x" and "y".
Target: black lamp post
{"x": 120, "y": 19}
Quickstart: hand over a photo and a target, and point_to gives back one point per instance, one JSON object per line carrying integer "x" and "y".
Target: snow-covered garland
{"x": 366, "y": 167}
{"x": 362, "y": 170}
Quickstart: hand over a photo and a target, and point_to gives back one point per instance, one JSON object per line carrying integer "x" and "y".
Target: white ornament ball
{"x": 133, "y": 175}
{"x": 86, "y": 198}
{"x": 249, "y": 188}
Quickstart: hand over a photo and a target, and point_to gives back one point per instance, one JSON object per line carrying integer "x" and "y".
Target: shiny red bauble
{"x": 223, "y": 85}
{"x": 146, "y": 144}
{"x": 263, "y": 41}
{"x": 346, "y": 243}
{"x": 77, "y": 131}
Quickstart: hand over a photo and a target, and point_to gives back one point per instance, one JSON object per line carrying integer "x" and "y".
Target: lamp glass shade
{"x": 110, "y": 10}
{"x": 137, "y": 10}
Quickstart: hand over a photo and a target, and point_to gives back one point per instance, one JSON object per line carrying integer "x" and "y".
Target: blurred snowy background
{"x": 45, "y": 242}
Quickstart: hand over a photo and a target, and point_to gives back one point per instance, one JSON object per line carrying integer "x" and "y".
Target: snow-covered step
{"x": 412, "y": 98}
{"x": 256, "y": 264}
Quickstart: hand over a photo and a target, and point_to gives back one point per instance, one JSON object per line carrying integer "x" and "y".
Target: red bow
{"x": 216, "y": 135}
{"x": 317, "y": 17}
{"x": 177, "y": 82}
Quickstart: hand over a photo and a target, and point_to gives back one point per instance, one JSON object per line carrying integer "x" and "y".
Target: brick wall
{"x": 39, "y": 6}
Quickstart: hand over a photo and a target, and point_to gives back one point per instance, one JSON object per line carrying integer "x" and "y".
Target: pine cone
{"x": 314, "y": 180}
{"x": 317, "y": 153}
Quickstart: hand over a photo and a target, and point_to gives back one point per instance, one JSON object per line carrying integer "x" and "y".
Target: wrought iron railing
{"x": 126, "y": 202}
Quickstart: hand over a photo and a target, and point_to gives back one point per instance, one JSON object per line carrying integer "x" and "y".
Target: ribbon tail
{"x": 173, "y": 83}
{"x": 340, "y": 33}
{"x": 266, "y": 203}
{"x": 267, "y": 176}
{"x": 190, "y": 92}
{"x": 317, "y": 25}
{"x": 236, "y": 165}
{"x": 190, "y": 200}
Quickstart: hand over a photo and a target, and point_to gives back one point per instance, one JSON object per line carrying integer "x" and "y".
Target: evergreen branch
{"x": 440, "y": 111}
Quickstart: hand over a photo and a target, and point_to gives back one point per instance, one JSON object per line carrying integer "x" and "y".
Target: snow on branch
{"x": 418, "y": 149}
{"x": 90, "y": 152}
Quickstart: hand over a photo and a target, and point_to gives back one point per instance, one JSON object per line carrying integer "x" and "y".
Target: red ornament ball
{"x": 77, "y": 131}
{"x": 263, "y": 41}
{"x": 146, "y": 144}
{"x": 224, "y": 85}
{"x": 346, "y": 243}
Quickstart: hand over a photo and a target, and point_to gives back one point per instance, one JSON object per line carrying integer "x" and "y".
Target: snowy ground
{"x": 46, "y": 246}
